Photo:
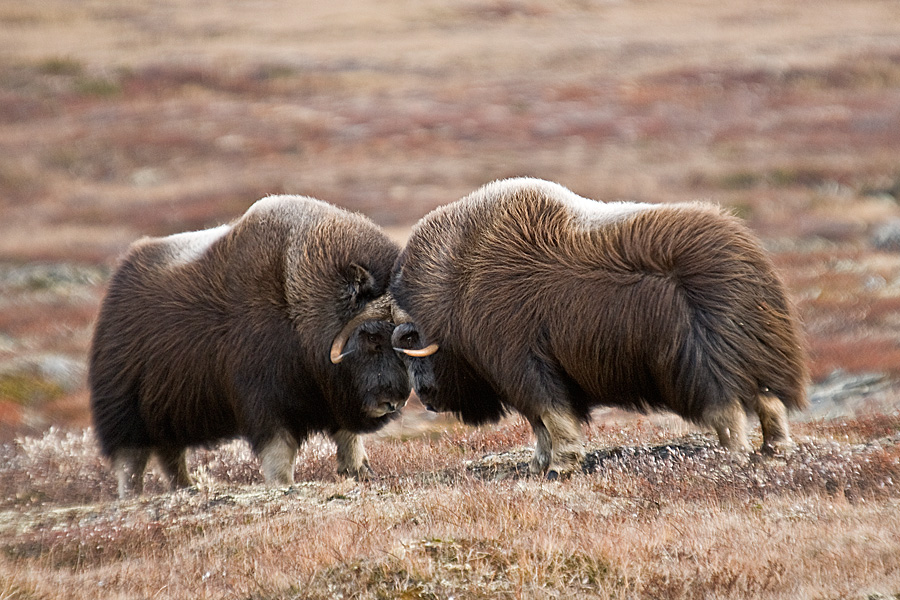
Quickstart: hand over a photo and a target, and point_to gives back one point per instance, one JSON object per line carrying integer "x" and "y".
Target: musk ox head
{"x": 365, "y": 362}
{"x": 443, "y": 380}
{"x": 375, "y": 370}
{"x": 419, "y": 358}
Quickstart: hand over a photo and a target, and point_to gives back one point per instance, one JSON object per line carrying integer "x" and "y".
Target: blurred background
{"x": 121, "y": 119}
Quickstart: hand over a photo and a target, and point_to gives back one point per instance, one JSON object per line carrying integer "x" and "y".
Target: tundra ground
{"x": 120, "y": 120}
{"x": 657, "y": 513}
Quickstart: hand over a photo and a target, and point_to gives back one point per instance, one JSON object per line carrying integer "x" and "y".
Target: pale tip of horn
{"x": 337, "y": 356}
{"x": 426, "y": 351}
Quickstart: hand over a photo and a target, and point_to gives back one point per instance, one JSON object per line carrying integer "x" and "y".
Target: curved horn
{"x": 399, "y": 315}
{"x": 421, "y": 353}
{"x": 377, "y": 309}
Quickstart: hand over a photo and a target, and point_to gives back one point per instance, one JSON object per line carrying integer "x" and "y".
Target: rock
{"x": 843, "y": 393}
{"x": 840, "y": 385}
{"x": 886, "y": 236}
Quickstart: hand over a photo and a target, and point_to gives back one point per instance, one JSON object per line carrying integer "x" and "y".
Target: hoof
{"x": 559, "y": 474}
{"x": 536, "y": 467}
{"x": 554, "y": 475}
{"x": 781, "y": 448}
{"x": 363, "y": 473}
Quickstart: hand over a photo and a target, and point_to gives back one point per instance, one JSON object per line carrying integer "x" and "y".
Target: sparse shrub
{"x": 858, "y": 430}
{"x": 229, "y": 463}
{"x": 27, "y": 389}
{"x": 17, "y": 182}
{"x": 60, "y": 65}
{"x": 60, "y": 467}
{"x": 886, "y": 185}
{"x": 741, "y": 180}
{"x": 100, "y": 87}
{"x": 505, "y": 9}
{"x": 779, "y": 177}
{"x": 476, "y": 568}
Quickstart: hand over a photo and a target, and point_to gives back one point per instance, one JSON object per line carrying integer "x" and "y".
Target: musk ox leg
{"x": 174, "y": 462}
{"x": 773, "y": 422}
{"x": 351, "y": 455}
{"x": 566, "y": 447}
{"x": 276, "y": 457}
{"x": 129, "y": 465}
{"x": 730, "y": 423}
{"x": 543, "y": 448}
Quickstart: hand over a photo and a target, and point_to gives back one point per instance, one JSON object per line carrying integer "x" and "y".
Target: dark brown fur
{"x": 211, "y": 335}
{"x": 542, "y": 305}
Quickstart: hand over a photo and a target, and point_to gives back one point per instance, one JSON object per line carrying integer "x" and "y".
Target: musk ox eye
{"x": 373, "y": 339}
{"x": 405, "y": 336}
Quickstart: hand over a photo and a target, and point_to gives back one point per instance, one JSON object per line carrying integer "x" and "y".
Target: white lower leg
{"x": 129, "y": 465}
{"x": 174, "y": 463}
{"x": 351, "y": 455}
{"x": 773, "y": 422}
{"x": 276, "y": 459}
{"x": 567, "y": 449}
{"x": 730, "y": 423}
{"x": 543, "y": 447}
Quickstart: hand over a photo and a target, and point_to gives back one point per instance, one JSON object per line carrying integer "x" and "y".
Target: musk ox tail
{"x": 737, "y": 337}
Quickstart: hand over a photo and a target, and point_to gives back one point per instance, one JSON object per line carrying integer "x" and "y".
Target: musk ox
{"x": 271, "y": 328}
{"x": 525, "y": 296}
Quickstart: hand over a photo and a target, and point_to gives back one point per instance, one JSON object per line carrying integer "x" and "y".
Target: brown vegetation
{"x": 119, "y": 120}
{"x": 655, "y": 515}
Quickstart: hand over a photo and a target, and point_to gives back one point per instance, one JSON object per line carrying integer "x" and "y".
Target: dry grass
{"x": 651, "y": 517}
{"x": 119, "y": 120}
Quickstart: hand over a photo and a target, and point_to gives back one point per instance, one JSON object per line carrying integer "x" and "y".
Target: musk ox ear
{"x": 361, "y": 284}
{"x": 378, "y": 309}
{"x": 407, "y": 339}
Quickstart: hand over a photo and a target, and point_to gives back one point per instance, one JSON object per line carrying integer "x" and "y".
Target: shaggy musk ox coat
{"x": 271, "y": 328}
{"x": 535, "y": 299}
